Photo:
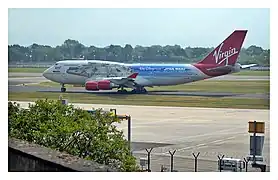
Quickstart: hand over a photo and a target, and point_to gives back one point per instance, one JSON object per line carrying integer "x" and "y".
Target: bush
{"x": 73, "y": 130}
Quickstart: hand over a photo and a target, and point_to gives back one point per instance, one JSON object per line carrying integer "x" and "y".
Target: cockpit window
{"x": 57, "y": 66}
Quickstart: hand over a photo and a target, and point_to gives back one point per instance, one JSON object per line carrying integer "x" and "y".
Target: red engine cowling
{"x": 98, "y": 85}
{"x": 92, "y": 86}
{"x": 104, "y": 85}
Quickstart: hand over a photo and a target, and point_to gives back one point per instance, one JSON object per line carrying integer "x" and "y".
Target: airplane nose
{"x": 47, "y": 73}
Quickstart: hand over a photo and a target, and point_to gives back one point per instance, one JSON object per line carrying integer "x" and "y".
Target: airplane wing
{"x": 247, "y": 66}
{"x": 124, "y": 81}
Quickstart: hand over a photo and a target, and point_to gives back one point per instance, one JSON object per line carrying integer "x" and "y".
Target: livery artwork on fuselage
{"x": 96, "y": 70}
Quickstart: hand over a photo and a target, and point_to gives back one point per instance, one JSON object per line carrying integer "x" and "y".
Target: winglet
{"x": 133, "y": 76}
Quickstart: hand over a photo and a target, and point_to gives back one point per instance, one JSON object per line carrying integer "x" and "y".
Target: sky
{"x": 204, "y": 27}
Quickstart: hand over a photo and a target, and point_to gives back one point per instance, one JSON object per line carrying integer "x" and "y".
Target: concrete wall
{"x": 24, "y": 156}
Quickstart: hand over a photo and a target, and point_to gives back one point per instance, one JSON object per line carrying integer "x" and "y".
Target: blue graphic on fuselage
{"x": 161, "y": 70}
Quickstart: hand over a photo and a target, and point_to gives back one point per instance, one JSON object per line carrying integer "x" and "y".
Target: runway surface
{"x": 25, "y": 74}
{"x": 113, "y": 92}
{"x": 210, "y": 131}
{"x": 26, "y": 80}
{"x": 226, "y": 77}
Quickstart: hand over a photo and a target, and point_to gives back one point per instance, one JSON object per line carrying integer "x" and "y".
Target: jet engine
{"x": 98, "y": 85}
{"x": 91, "y": 86}
{"x": 104, "y": 85}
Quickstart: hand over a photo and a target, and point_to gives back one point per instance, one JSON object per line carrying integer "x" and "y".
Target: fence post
{"x": 196, "y": 157}
{"x": 149, "y": 159}
{"x": 220, "y": 161}
{"x": 129, "y": 133}
{"x": 254, "y": 143}
{"x": 246, "y": 164}
{"x": 161, "y": 168}
{"x": 172, "y": 159}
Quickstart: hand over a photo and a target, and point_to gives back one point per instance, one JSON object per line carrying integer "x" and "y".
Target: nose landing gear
{"x": 63, "y": 89}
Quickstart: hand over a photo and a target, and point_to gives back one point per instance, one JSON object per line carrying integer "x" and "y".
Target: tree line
{"x": 73, "y": 49}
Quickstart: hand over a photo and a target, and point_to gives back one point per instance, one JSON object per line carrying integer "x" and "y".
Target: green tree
{"x": 72, "y": 49}
{"x": 127, "y": 53}
{"x": 65, "y": 128}
{"x": 254, "y": 50}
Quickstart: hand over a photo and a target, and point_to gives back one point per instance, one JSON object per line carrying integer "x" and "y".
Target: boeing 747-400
{"x": 105, "y": 75}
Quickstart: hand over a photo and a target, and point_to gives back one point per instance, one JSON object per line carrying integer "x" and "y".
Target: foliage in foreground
{"x": 72, "y": 130}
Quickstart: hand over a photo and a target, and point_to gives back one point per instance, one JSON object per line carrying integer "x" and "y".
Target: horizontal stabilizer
{"x": 220, "y": 69}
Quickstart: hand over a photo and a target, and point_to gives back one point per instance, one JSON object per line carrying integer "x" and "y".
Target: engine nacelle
{"x": 98, "y": 85}
{"x": 91, "y": 86}
{"x": 104, "y": 85}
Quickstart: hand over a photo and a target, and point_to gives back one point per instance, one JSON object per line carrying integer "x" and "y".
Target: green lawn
{"x": 27, "y": 70}
{"x": 151, "y": 100}
{"x": 204, "y": 86}
{"x": 167, "y": 100}
{"x": 222, "y": 86}
{"x": 252, "y": 73}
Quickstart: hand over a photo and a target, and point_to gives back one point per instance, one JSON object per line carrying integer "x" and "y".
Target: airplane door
{"x": 64, "y": 75}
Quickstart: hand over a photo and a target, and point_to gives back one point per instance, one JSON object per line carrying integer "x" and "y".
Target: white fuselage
{"x": 81, "y": 71}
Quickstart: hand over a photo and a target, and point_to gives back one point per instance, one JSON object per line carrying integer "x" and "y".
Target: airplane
{"x": 97, "y": 75}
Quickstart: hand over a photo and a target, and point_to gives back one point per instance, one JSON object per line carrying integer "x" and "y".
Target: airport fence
{"x": 153, "y": 162}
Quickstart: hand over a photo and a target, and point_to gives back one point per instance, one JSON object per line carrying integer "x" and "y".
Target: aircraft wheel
{"x": 63, "y": 89}
{"x": 122, "y": 91}
{"x": 139, "y": 91}
{"x": 144, "y": 91}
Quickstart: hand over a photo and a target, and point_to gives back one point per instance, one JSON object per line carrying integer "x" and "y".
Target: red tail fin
{"x": 227, "y": 52}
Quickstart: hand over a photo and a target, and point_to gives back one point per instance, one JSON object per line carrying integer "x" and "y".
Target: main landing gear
{"x": 122, "y": 90}
{"x": 63, "y": 89}
{"x": 139, "y": 90}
